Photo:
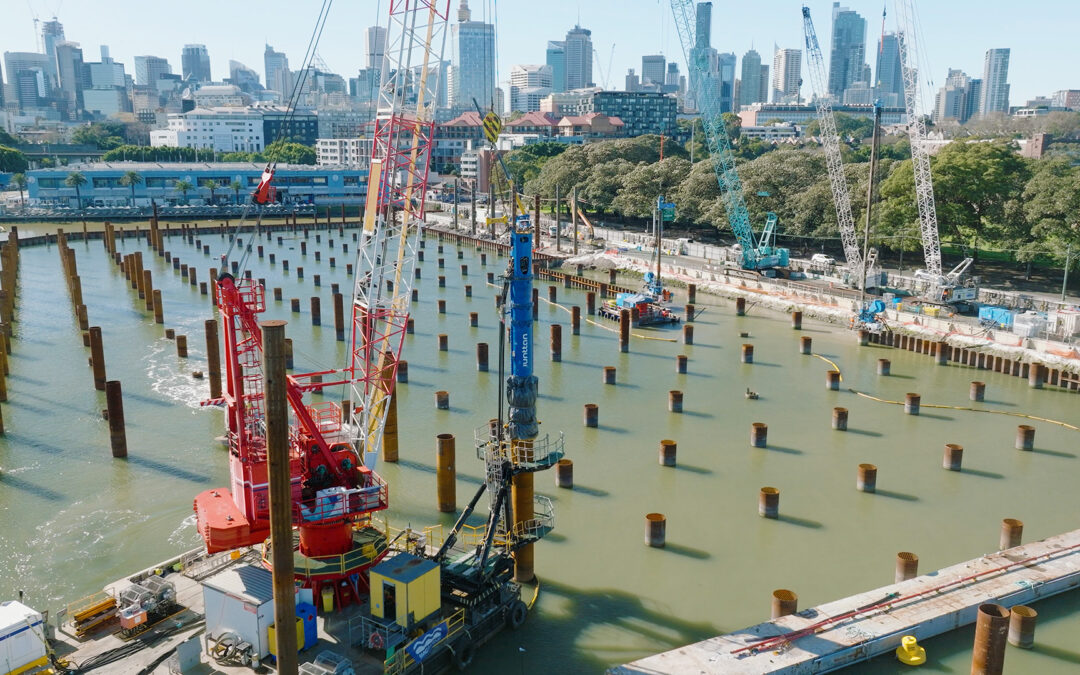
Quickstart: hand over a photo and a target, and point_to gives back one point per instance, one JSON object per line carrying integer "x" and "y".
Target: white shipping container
{"x": 22, "y": 638}
{"x": 240, "y": 600}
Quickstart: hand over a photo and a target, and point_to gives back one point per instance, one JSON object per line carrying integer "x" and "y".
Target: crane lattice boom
{"x": 831, "y": 142}
{"x": 397, "y": 185}
{"x": 920, "y": 156}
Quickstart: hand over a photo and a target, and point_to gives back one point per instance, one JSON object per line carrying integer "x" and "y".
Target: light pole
{"x": 1065, "y": 281}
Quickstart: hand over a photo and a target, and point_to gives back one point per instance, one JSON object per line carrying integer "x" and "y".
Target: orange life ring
{"x": 375, "y": 641}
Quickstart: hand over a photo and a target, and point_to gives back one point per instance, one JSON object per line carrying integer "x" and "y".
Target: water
{"x": 74, "y": 519}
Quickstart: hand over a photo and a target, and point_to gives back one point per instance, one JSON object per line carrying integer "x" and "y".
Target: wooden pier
{"x": 862, "y": 626}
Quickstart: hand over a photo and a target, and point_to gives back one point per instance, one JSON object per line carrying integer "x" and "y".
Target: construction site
{"x": 426, "y": 443}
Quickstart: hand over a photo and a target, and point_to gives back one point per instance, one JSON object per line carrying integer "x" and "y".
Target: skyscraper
{"x": 632, "y": 82}
{"x": 195, "y": 63}
{"x": 69, "y": 70}
{"x": 653, "y": 69}
{"x": 889, "y": 83}
{"x": 725, "y": 71}
{"x": 27, "y": 78}
{"x": 579, "y": 52}
{"x": 763, "y": 84}
{"x": 52, "y": 32}
{"x": 750, "y": 88}
{"x": 787, "y": 75}
{"x": 995, "y": 84}
{"x": 528, "y": 85}
{"x": 951, "y": 101}
{"x": 374, "y": 46}
{"x": 703, "y": 32}
{"x": 472, "y": 66}
{"x": 556, "y": 58}
{"x": 847, "y": 61}
{"x": 276, "y": 71}
{"x": 148, "y": 69}
{"x": 245, "y": 78}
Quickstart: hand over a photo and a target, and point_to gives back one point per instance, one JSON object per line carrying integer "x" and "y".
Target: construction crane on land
{"x": 940, "y": 288}
{"x": 604, "y": 72}
{"x": 761, "y": 255}
{"x": 830, "y": 141}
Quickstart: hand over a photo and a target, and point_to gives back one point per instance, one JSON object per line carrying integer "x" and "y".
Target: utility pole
{"x": 280, "y": 479}
{"x": 1065, "y": 281}
{"x": 558, "y": 218}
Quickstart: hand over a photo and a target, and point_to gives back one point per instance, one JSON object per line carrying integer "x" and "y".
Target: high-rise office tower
{"x": 69, "y": 70}
{"x": 847, "y": 61}
{"x": 579, "y": 53}
{"x": 276, "y": 71}
{"x": 763, "y": 84}
{"x": 556, "y": 58}
{"x": 27, "y": 78}
{"x": 889, "y": 81}
{"x": 529, "y": 84}
{"x": 703, "y": 27}
{"x": 195, "y": 63}
{"x": 472, "y": 66}
{"x": 52, "y": 32}
{"x": 750, "y": 85}
{"x": 374, "y": 46}
{"x": 995, "y": 82}
{"x": 632, "y": 82}
{"x": 149, "y": 69}
{"x": 725, "y": 71}
{"x": 787, "y": 75}
{"x": 653, "y": 69}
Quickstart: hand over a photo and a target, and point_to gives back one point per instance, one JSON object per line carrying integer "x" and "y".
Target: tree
{"x": 525, "y": 163}
{"x": 131, "y": 179}
{"x": 847, "y": 127}
{"x": 732, "y": 125}
{"x": 12, "y": 160}
{"x": 211, "y": 185}
{"x": 183, "y": 187}
{"x": 19, "y": 181}
{"x": 7, "y": 139}
{"x": 1051, "y": 207}
{"x": 236, "y": 186}
{"x": 76, "y": 180}
{"x": 102, "y": 135}
{"x": 288, "y": 152}
{"x": 640, "y": 188}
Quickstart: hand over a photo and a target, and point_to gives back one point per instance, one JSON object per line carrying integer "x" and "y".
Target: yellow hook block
{"x": 909, "y": 652}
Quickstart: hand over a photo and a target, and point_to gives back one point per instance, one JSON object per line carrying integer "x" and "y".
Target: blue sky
{"x": 955, "y": 33}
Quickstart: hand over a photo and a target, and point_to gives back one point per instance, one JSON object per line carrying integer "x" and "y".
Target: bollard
{"x": 97, "y": 358}
{"x": 941, "y": 353}
{"x": 832, "y": 380}
{"x": 1025, "y": 437}
{"x": 624, "y": 330}
{"x": 474, "y": 319}
{"x": 864, "y": 337}
{"x": 409, "y": 326}
{"x": 884, "y": 367}
{"x": 202, "y": 288}
{"x": 482, "y": 357}
{"x": 416, "y": 273}
{"x": 609, "y": 374}
{"x": 680, "y": 364}
{"x": 674, "y": 401}
{"x": 806, "y": 344}
{"x": 294, "y": 305}
{"x": 907, "y": 566}
{"x": 552, "y": 293}
{"x": 1022, "y": 626}
{"x": 1012, "y": 531}
{"x": 468, "y": 290}
{"x": 667, "y": 452}
{"x": 911, "y": 403}
{"x": 317, "y": 280}
{"x": 339, "y": 317}
{"x": 691, "y": 293}
{"x": 181, "y": 346}
{"x": 483, "y": 258}
{"x": 300, "y": 273}
{"x": 556, "y": 342}
{"x": 564, "y": 473}
{"x": 689, "y": 313}
{"x": 839, "y": 419}
{"x": 442, "y": 262}
{"x": 991, "y": 631}
{"x": 655, "y": 528}
{"x": 688, "y": 334}
{"x": 442, "y": 281}
{"x": 954, "y": 457}
{"x": 759, "y": 434}
{"x": 977, "y": 392}
{"x": 316, "y": 311}
{"x": 1036, "y": 375}
{"x": 590, "y": 303}
{"x": 402, "y": 372}
{"x": 446, "y": 485}
{"x": 575, "y": 320}
{"x": 866, "y": 479}
{"x": 114, "y": 401}
{"x": 415, "y": 294}
{"x": 796, "y": 320}
{"x": 159, "y": 311}
{"x": 784, "y": 602}
{"x": 442, "y": 400}
{"x": 592, "y": 415}
{"x": 444, "y": 342}
{"x": 747, "y": 353}
{"x": 740, "y": 306}
{"x": 213, "y": 357}
{"x": 442, "y": 306}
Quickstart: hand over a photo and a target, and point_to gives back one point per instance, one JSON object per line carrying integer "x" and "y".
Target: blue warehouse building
{"x": 294, "y": 184}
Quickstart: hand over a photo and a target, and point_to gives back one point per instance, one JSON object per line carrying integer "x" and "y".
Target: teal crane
{"x": 757, "y": 254}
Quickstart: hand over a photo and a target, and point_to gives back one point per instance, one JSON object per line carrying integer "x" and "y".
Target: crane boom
{"x": 397, "y": 185}
{"x": 723, "y": 159}
{"x": 920, "y": 155}
{"x": 830, "y": 141}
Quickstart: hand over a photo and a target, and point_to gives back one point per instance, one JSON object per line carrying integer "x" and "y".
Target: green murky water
{"x": 74, "y": 519}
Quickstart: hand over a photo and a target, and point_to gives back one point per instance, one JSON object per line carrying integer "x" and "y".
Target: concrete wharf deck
{"x": 862, "y": 626}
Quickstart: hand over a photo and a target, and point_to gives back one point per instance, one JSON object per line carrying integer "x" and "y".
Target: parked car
{"x": 822, "y": 259}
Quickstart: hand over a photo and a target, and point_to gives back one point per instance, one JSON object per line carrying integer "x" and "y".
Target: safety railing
{"x": 538, "y": 453}
{"x": 401, "y": 661}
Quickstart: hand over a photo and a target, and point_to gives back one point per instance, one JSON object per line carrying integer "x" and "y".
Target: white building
{"x": 219, "y": 95}
{"x": 995, "y": 84}
{"x": 219, "y": 129}
{"x": 787, "y": 75}
{"x": 343, "y": 152}
{"x": 529, "y": 84}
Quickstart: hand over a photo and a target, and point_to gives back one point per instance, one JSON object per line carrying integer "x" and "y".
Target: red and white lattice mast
{"x": 394, "y": 215}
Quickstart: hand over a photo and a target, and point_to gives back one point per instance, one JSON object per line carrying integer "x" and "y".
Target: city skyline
{"x": 1031, "y": 39}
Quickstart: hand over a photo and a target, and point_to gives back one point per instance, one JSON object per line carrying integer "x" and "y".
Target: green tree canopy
{"x": 12, "y": 160}
{"x": 525, "y": 163}
{"x": 1051, "y": 206}
{"x": 288, "y": 152}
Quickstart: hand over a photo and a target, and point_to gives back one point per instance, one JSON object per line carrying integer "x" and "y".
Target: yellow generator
{"x": 406, "y": 589}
